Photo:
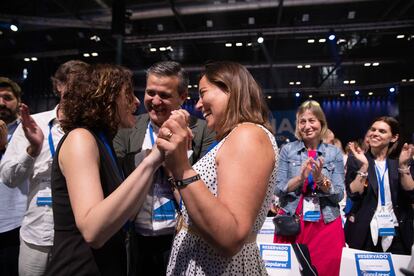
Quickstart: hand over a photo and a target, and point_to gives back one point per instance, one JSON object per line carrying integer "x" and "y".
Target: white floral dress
{"x": 191, "y": 255}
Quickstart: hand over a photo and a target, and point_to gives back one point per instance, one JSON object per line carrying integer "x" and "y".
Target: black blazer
{"x": 357, "y": 226}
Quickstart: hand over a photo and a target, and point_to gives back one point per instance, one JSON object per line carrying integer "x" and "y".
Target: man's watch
{"x": 184, "y": 182}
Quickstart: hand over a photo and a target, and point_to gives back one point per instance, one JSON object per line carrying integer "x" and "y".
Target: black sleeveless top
{"x": 71, "y": 255}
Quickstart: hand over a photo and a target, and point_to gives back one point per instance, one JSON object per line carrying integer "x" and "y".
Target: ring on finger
{"x": 169, "y": 135}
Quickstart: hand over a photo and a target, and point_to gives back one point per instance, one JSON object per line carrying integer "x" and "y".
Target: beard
{"x": 8, "y": 115}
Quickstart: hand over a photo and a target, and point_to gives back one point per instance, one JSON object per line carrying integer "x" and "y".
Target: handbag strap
{"x": 306, "y": 267}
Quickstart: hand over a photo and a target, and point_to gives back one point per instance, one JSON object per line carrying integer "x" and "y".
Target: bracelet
{"x": 184, "y": 182}
{"x": 362, "y": 174}
{"x": 324, "y": 182}
{"x": 404, "y": 170}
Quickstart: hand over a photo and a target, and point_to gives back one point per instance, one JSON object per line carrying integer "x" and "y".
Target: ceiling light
{"x": 331, "y": 37}
{"x": 375, "y": 64}
{"x": 25, "y": 73}
{"x": 291, "y": 83}
{"x": 269, "y": 97}
{"x": 305, "y": 17}
{"x": 1, "y": 32}
{"x": 307, "y": 66}
{"x": 260, "y": 39}
{"x": 400, "y": 36}
{"x": 153, "y": 49}
{"x": 404, "y": 80}
{"x": 160, "y": 27}
{"x": 310, "y": 96}
{"x": 239, "y": 44}
{"x": 392, "y": 89}
{"x": 297, "y": 94}
{"x": 209, "y": 23}
{"x": 26, "y": 59}
{"x": 299, "y": 66}
{"x": 352, "y": 81}
{"x": 249, "y": 44}
{"x": 251, "y": 20}
{"x": 411, "y": 80}
{"x": 297, "y": 83}
{"x": 188, "y": 98}
{"x": 311, "y": 40}
{"x": 33, "y": 58}
{"x": 170, "y": 48}
{"x": 195, "y": 85}
{"x": 356, "y": 92}
{"x": 86, "y": 55}
{"x": 367, "y": 64}
{"x": 95, "y": 38}
{"x": 370, "y": 93}
{"x": 189, "y": 86}
{"x": 346, "y": 81}
{"x": 14, "y": 27}
{"x": 162, "y": 49}
{"x": 322, "y": 40}
{"x": 342, "y": 95}
{"x": 94, "y": 54}
{"x": 228, "y": 44}
{"x": 341, "y": 40}
{"x": 351, "y": 14}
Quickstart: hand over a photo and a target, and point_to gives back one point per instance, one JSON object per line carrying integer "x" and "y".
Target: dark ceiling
{"x": 372, "y": 51}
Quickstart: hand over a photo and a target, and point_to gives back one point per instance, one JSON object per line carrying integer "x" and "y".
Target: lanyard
{"x": 151, "y": 132}
{"x": 381, "y": 182}
{"x": 11, "y": 130}
{"x": 314, "y": 155}
{"x": 50, "y": 139}
{"x": 102, "y": 137}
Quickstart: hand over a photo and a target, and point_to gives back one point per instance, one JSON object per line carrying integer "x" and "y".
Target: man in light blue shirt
{"x": 13, "y": 200}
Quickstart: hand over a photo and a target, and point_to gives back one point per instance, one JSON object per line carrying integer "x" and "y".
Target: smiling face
{"x": 380, "y": 135}
{"x": 309, "y": 127}
{"x": 162, "y": 97}
{"x": 127, "y": 104}
{"x": 9, "y": 105}
{"x": 212, "y": 103}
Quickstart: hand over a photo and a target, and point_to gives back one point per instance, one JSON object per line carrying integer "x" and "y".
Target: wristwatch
{"x": 184, "y": 182}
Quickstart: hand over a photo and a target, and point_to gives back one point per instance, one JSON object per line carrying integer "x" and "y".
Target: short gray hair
{"x": 171, "y": 69}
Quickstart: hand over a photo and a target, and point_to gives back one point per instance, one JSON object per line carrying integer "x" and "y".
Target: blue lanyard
{"x": 381, "y": 182}
{"x": 310, "y": 176}
{"x": 151, "y": 132}
{"x": 50, "y": 139}
{"x": 102, "y": 137}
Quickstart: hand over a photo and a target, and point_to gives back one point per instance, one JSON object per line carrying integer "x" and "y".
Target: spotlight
{"x": 297, "y": 94}
{"x": 260, "y": 39}
{"x": 331, "y": 37}
{"x": 14, "y": 27}
{"x": 370, "y": 93}
{"x": 356, "y": 92}
{"x": 392, "y": 89}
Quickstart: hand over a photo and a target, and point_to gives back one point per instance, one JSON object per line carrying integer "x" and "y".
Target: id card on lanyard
{"x": 44, "y": 197}
{"x": 311, "y": 205}
{"x": 384, "y": 218}
{"x": 164, "y": 208}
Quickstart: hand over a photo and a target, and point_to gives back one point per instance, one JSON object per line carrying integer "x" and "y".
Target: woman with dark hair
{"x": 225, "y": 196}
{"x": 310, "y": 185}
{"x": 91, "y": 199}
{"x": 382, "y": 190}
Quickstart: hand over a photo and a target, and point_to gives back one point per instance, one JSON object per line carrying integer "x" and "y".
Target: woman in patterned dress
{"x": 226, "y": 195}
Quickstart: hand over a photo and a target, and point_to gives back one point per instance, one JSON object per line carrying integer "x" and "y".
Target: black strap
{"x": 303, "y": 256}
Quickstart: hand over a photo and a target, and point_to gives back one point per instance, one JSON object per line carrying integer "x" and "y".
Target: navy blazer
{"x": 357, "y": 226}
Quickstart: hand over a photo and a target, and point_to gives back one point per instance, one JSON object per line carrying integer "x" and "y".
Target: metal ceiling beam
{"x": 56, "y": 22}
{"x": 290, "y": 31}
{"x": 230, "y": 7}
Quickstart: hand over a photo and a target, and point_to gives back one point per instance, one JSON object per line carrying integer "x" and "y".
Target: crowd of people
{"x": 89, "y": 188}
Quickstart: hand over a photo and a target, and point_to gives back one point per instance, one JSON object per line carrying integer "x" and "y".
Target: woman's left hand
{"x": 174, "y": 138}
{"x": 407, "y": 153}
{"x": 317, "y": 166}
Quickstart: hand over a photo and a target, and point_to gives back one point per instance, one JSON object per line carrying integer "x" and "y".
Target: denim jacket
{"x": 291, "y": 158}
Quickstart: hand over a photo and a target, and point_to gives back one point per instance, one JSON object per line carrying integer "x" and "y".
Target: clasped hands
{"x": 314, "y": 167}
{"x": 174, "y": 139}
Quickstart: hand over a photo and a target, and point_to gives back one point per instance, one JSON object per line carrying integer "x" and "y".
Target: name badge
{"x": 311, "y": 209}
{"x": 385, "y": 223}
{"x": 44, "y": 198}
{"x": 164, "y": 211}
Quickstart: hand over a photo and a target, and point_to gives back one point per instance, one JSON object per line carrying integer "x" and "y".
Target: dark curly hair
{"x": 91, "y": 100}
